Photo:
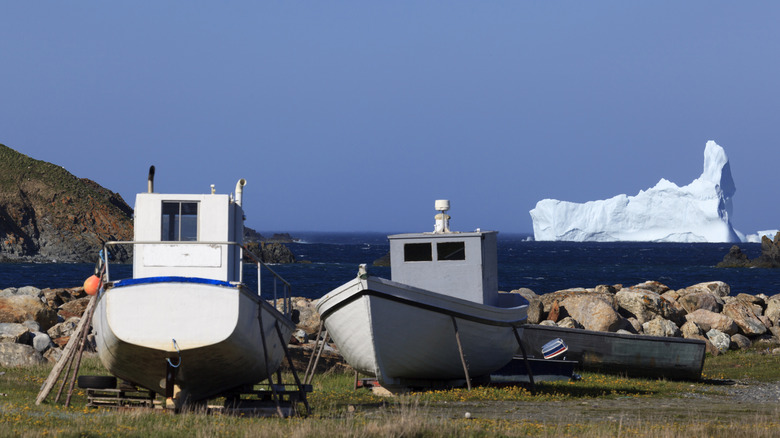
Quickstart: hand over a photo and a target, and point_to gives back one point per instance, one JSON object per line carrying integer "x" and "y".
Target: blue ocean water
{"x": 332, "y": 259}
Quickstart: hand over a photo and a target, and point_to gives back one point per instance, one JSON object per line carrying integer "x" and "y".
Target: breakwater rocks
{"x": 36, "y": 324}
{"x": 705, "y": 311}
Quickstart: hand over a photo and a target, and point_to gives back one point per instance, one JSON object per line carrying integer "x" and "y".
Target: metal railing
{"x": 243, "y": 251}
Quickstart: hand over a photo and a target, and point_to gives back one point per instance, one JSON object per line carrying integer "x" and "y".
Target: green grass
{"x": 598, "y": 405}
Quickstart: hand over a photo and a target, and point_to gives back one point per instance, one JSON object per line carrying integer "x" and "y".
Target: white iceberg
{"x": 698, "y": 212}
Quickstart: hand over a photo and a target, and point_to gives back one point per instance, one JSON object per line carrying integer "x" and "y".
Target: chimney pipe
{"x": 150, "y": 180}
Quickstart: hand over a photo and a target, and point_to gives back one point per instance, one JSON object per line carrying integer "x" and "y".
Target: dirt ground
{"x": 722, "y": 400}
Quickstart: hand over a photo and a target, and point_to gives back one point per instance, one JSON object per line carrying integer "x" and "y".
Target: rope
{"x": 176, "y": 346}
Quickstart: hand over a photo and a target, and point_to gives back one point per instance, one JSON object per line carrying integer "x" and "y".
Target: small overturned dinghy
{"x": 438, "y": 322}
{"x": 186, "y": 317}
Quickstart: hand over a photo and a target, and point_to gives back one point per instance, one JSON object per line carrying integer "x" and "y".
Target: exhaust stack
{"x": 240, "y": 191}
{"x": 150, "y": 180}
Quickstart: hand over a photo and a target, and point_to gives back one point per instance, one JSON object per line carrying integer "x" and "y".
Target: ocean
{"x": 331, "y": 259}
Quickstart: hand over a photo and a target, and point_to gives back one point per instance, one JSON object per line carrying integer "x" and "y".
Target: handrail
{"x": 286, "y": 286}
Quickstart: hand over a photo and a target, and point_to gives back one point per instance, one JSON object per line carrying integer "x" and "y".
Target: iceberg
{"x": 698, "y": 212}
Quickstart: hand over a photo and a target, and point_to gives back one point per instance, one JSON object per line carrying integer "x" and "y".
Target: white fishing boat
{"x": 186, "y": 320}
{"x": 439, "y": 321}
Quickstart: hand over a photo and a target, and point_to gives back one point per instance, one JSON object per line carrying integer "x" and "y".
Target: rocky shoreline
{"x": 36, "y": 324}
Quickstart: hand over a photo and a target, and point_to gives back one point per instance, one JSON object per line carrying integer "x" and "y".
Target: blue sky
{"x": 358, "y": 115}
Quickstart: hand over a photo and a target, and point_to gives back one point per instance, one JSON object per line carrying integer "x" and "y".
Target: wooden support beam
{"x": 525, "y": 359}
{"x": 460, "y": 350}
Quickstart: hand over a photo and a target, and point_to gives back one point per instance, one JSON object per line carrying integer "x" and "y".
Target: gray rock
{"x": 710, "y": 320}
{"x": 535, "y": 306}
{"x": 30, "y": 291}
{"x": 653, "y": 286}
{"x": 624, "y": 332}
{"x": 41, "y": 342}
{"x": 691, "y": 330}
{"x": 53, "y": 355}
{"x": 32, "y": 325}
{"x": 64, "y": 329}
{"x": 548, "y": 323}
{"x": 20, "y": 308}
{"x": 743, "y": 315}
{"x": 635, "y": 325}
{"x": 720, "y": 340}
{"x": 569, "y": 322}
{"x": 15, "y": 333}
{"x": 706, "y": 300}
{"x": 642, "y": 304}
{"x": 593, "y": 312}
{"x": 739, "y": 342}
{"x": 19, "y": 355}
{"x": 661, "y": 327}
{"x": 718, "y": 288}
{"x": 773, "y": 309}
{"x": 301, "y": 336}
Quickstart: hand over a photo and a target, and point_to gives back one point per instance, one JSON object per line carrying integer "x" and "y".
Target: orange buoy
{"x": 91, "y": 285}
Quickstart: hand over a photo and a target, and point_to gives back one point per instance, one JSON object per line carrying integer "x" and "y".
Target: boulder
{"x": 20, "y": 308}
{"x": 706, "y": 300}
{"x": 633, "y": 324}
{"x": 642, "y": 304}
{"x": 19, "y": 355}
{"x": 661, "y": 327}
{"x": 720, "y": 340}
{"x": 710, "y": 320}
{"x": 593, "y": 312}
{"x": 743, "y": 315}
{"x": 718, "y": 288}
{"x": 41, "y": 342}
{"x": 691, "y": 330}
{"x": 534, "y": 304}
{"x": 53, "y": 355}
{"x": 608, "y": 289}
{"x": 739, "y": 342}
{"x": 15, "y": 333}
{"x": 32, "y": 325}
{"x": 304, "y": 313}
{"x": 773, "y": 309}
{"x": 569, "y": 322}
{"x": 752, "y": 299}
{"x": 653, "y": 286}
{"x": 59, "y": 296}
{"x": 561, "y": 295}
{"x": 64, "y": 329}
{"x": 74, "y": 308}
{"x": 708, "y": 346}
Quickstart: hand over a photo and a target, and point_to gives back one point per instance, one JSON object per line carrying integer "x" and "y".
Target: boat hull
{"x": 210, "y": 332}
{"x": 406, "y": 336}
{"x": 632, "y": 355}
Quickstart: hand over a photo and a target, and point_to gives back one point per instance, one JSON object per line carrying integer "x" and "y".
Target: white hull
{"x": 405, "y": 336}
{"x": 215, "y": 327}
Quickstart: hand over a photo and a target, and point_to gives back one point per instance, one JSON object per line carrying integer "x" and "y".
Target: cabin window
{"x": 179, "y": 221}
{"x": 451, "y": 251}
{"x": 418, "y": 252}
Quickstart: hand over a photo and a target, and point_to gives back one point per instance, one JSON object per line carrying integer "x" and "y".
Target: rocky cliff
{"x": 769, "y": 258}
{"x": 47, "y": 214}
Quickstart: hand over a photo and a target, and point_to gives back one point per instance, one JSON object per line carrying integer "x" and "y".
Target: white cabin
{"x": 462, "y": 265}
{"x": 178, "y": 222}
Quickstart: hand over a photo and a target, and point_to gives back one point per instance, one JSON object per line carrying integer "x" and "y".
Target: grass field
{"x": 596, "y": 406}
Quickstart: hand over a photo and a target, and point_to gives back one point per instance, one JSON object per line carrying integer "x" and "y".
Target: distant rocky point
{"x": 769, "y": 258}
{"x": 49, "y": 215}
